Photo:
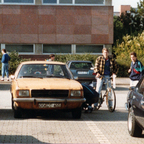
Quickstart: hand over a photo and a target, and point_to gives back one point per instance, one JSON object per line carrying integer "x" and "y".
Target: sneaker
{"x": 2, "y": 79}
{"x": 7, "y": 79}
{"x": 90, "y": 109}
{"x": 110, "y": 108}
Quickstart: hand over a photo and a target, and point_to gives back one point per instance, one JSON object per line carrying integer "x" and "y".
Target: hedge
{"x": 14, "y": 61}
{"x": 123, "y": 63}
{"x": 123, "y": 50}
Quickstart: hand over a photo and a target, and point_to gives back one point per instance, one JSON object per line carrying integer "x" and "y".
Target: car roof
{"x": 78, "y": 61}
{"x": 43, "y": 62}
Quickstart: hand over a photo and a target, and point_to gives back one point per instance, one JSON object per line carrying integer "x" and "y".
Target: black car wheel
{"x": 17, "y": 112}
{"x": 76, "y": 113}
{"x": 133, "y": 128}
{"x": 12, "y": 103}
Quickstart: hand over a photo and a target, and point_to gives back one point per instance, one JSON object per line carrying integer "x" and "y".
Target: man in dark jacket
{"x": 5, "y": 59}
{"x": 135, "y": 70}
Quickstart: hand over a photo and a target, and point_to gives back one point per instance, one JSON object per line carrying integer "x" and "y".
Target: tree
{"x": 129, "y": 23}
{"x": 140, "y": 6}
{"x": 118, "y": 29}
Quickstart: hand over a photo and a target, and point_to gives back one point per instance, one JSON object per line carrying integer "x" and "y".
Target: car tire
{"x": 76, "y": 113}
{"x": 12, "y": 104}
{"x": 133, "y": 128}
{"x": 17, "y": 114}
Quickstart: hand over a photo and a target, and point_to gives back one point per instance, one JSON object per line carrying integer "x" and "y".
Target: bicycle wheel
{"x": 111, "y": 99}
{"x": 100, "y": 101}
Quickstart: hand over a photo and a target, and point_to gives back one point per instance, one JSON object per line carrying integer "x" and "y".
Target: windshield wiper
{"x": 54, "y": 76}
{"x": 30, "y": 77}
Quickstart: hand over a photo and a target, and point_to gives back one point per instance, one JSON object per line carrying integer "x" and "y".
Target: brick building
{"x": 124, "y": 8}
{"x": 37, "y": 28}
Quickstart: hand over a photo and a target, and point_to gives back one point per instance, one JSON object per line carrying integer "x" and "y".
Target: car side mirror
{"x": 75, "y": 78}
{"x": 92, "y": 68}
{"x": 12, "y": 77}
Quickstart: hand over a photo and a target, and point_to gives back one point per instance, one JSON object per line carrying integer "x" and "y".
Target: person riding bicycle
{"x": 105, "y": 67}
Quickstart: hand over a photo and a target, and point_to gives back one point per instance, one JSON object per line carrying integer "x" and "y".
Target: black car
{"x": 135, "y": 104}
{"x": 83, "y": 70}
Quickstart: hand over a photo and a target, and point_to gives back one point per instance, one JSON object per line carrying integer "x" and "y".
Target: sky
{"x": 117, "y": 3}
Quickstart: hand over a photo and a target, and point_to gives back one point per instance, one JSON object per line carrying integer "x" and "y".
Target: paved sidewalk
{"x": 122, "y": 81}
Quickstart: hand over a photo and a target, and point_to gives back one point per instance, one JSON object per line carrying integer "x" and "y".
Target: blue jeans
{"x": 99, "y": 85}
{"x": 5, "y": 70}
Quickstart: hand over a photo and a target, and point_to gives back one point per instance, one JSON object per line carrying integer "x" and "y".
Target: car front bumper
{"x": 34, "y": 103}
{"x": 47, "y": 100}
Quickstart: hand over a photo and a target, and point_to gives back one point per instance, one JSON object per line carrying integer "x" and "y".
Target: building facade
{"x": 36, "y": 28}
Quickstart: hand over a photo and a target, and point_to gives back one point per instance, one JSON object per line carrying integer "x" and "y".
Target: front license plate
{"x": 49, "y": 105}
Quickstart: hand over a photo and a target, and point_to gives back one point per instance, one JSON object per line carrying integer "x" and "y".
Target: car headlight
{"x": 76, "y": 93}
{"x": 23, "y": 93}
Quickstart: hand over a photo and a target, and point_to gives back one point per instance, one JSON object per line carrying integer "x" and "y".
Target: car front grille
{"x": 49, "y": 93}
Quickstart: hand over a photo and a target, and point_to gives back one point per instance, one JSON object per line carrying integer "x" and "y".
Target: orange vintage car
{"x": 45, "y": 85}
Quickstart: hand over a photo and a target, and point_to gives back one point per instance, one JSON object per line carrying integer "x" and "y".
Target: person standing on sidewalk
{"x": 5, "y": 65}
{"x": 50, "y": 69}
{"x": 51, "y": 57}
{"x": 104, "y": 68}
{"x": 136, "y": 69}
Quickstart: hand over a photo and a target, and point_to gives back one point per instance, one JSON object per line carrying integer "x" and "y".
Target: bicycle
{"x": 110, "y": 97}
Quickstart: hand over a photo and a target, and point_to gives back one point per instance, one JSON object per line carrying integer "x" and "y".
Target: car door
{"x": 138, "y": 102}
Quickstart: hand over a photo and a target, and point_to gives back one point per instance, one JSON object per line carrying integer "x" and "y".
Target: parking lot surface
{"x": 99, "y": 126}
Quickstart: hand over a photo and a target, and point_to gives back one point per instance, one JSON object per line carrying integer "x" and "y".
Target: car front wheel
{"x": 76, "y": 113}
{"x": 17, "y": 112}
{"x": 133, "y": 128}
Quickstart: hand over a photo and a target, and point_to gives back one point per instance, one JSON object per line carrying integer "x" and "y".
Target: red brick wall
{"x": 125, "y": 8}
{"x": 56, "y": 24}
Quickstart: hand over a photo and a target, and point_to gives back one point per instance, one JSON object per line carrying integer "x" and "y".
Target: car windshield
{"x": 44, "y": 71}
{"x": 81, "y": 65}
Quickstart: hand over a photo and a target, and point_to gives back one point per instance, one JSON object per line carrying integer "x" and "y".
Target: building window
{"x": 56, "y": 48}
{"x": 65, "y": 1}
{"x": 18, "y": 1}
{"x": 20, "y": 48}
{"x": 89, "y": 1}
{"x": 97, "y": 2}
{"x": 50, "y": 1}
{"x": 89, "y": 48}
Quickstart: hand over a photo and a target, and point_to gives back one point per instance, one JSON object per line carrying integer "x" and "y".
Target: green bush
{"x": 123, "y": 61}
{"x": 123, "y": 50}
{"x": 68, "y": 57}
{"x": 14, "y": 61}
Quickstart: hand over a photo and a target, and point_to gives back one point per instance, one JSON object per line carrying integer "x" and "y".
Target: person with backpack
{"x": 136, "y": 69}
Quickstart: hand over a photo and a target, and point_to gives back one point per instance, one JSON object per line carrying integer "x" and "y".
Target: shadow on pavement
{"x": 120, "y": 88}
{"x": 100, "y": 115}
{"x": 5, "y": 86}
{"x": 18, "y": 139}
